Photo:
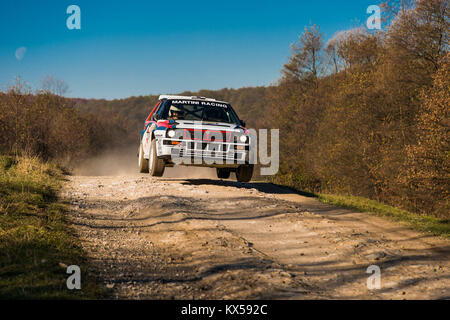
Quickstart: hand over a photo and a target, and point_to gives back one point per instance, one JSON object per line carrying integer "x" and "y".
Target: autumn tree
{"x": 428, "y": 162}
{"x": 358, "y": 48}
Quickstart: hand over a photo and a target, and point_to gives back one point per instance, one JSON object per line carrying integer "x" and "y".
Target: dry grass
{"x": 35, "y": 238}
{"x": 420, "y": 222}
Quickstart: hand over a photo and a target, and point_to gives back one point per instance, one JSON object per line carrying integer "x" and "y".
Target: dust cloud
{"x": 114, "y": 162}
{"x": 123, "y": 162}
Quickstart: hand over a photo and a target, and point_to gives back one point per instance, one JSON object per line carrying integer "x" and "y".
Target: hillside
{"x": 250, "y": 104}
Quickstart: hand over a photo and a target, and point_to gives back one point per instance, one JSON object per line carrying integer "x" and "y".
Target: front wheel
{"x": 244, "y": 173}
{"x": 156, "y": 166}
{"x": 142, "y": 162}
{"x": 223, "y": 173}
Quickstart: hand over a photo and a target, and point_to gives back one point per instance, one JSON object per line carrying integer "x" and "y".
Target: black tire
{"x": 142, "y": 162}
{"x": 223, "y": 173}
{"x": 156, "y": 166}
{"x": 244, "y": 173}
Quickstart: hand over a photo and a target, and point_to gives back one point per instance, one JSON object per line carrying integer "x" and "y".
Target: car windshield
{"x": 200, "y": 111}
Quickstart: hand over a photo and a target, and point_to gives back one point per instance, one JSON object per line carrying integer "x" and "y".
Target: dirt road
{"x": 172, "y": 238}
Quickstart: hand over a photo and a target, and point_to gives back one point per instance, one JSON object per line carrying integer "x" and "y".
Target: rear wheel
{"x": 223, "y": 173}
{"x": 142, "y": 162}
{"x": 156, "y": 166}
{"x": 244, "y": 173}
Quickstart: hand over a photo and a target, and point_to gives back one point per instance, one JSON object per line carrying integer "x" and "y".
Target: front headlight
{"x": 171, "y": 133}
{"x": 243, "y": 139}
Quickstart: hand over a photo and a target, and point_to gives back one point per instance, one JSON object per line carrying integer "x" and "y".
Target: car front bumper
{"x": 202, "y": 153}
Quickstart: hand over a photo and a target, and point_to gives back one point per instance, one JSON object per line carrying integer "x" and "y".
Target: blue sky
{"x": 127, "y": 48}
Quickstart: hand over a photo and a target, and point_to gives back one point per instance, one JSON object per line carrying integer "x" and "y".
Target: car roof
{"x": 174, "y": 97}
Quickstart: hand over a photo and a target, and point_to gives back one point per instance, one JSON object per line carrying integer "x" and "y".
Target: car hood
{"x": 208, "y": 125}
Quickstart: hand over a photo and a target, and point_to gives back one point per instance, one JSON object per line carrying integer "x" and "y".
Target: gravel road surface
{"x": 172, "y": 238}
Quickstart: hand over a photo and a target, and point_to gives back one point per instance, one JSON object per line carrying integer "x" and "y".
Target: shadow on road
{"x": 266, "y": 187}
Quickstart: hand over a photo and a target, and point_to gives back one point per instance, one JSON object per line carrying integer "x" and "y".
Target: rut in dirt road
{"x": 162, "y": 238}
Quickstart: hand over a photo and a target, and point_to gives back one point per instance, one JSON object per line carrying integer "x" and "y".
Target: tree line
{"x": 367, "y": 113}
{"x": 45, "y": 124}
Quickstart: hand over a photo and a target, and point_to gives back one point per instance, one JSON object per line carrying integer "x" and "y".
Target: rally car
{"x": 195, "y": 131}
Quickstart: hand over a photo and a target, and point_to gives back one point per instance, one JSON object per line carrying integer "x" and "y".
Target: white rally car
{"x": 195, "y": 131}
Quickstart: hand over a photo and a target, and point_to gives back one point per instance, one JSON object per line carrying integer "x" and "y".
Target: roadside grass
{"x": 422, "y": 223}
{"x": 36, "y": 242}
{"x": 419, "y": 222}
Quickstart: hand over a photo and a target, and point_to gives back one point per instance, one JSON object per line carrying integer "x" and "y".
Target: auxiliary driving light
{"x": 171, "y": 133}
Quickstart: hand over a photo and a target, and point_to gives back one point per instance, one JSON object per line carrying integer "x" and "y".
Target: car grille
{"x": 208, "y": 135}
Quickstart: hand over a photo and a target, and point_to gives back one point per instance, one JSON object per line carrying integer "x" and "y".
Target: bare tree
{"x": 421, "y": 33}
{"x": 52, "y": 85}
{"x": 306, "y": 60}
{"x": 332, "y": 51}
{"x": 392, "y": 8}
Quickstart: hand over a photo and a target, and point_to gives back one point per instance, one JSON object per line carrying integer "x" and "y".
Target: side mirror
{"x": 242, "y": 123}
